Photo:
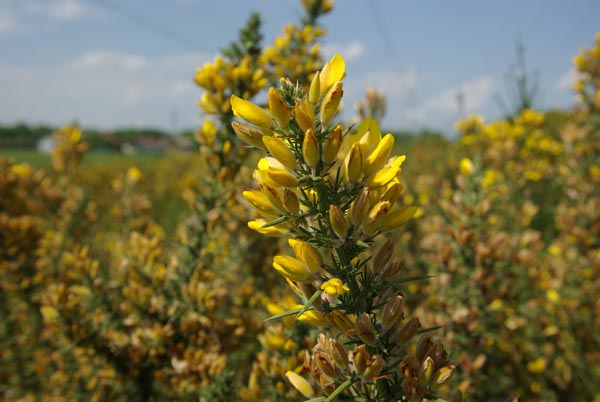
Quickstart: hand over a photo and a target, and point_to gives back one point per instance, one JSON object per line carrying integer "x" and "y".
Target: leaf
{"x": 275, "y": 222}
{"x": 285, "y": 314}
{"x": 429, "y": 329}
{"x": 310, "y": 302}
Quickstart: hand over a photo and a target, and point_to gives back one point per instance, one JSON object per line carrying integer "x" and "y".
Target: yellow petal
{"x": 379, "y": 155}
{"x": 274, "y": 231}
{"x": 387, "y": 173}
{"x": 280, "y": 151}
{"x": 397, "y": 218}
{"x": 250, "y": 112}
{"x": 278, "y": 108}
{"x": 331, "y": 102}
{"x": 291, "y": 268}
{"x": 300, "y": 383}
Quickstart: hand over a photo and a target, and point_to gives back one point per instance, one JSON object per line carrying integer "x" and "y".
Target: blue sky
{"x": 132, "y": 64}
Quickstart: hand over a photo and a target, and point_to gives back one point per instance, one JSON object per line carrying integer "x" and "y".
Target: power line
{"x": 383, "y": 31}
{"x": 151, "y": 25}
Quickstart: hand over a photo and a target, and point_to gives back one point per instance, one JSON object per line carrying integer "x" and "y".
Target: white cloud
{"x": 132, "y": 95}
{"x": 566, "y": 81}
{"x": 395, "y": 83}
{"x": 105, "y": 88}
{"x": 443, "y": 109}
{"x": 475, "y": 93}
{"x": 351, "y": 51}
{"x": 180, "y": 87}
{"x": 57, "y": 9}
{"x": 105, "y": 59}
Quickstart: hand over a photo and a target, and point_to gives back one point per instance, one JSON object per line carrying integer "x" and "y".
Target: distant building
{"x": 46, "y": 144}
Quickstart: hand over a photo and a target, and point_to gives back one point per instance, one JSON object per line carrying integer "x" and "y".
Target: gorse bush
{"x": 308, "y": 264}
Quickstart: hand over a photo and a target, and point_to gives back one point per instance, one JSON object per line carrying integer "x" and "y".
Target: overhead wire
{"x": 152, "y": 25}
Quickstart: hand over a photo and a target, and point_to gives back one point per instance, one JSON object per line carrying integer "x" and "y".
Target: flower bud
{"x": 359, "y": 356}
{"x": 374, "y": 367}
{"x": 353, "y": 164}
{"x": 360, "y": 208}
{"x": 325, "y": 364}
{"x": 310, "y": 149}
{"x": 404, "y": 333}
{"x": 383, "y": 257}
{"x": 338, "y": 221}
{"x": 248, "y": 134}
{"x": 331, "y": 102}
{"x": 273, "y": 196}
{"x": 290, "y": 201}
{"x": 332, "y": 145}
{"x": 423, "y": 346}
{"x": 278, "y": 108}
{"x": 305, "y": 115}
{"x": 377, "y": 216}
{"x": 392, "y": 312}
{"x": 314, "y": 92}
{"x": 338, "y": 353}
{"x": 442, "y": 376}
{"x": 339, "y": 321}
{"x": 365, "y": 330}
{"x": 425, "y": 371}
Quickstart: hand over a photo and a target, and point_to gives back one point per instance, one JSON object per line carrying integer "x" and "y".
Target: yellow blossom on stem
{"x": 334, "y": 287}
{"x": 250, "y": 112}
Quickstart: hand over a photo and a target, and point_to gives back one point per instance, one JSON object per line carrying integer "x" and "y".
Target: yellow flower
{"x": 334, "y": 287}
{"x": 536, "y": 366}
{"x": 133, "y": 174}
{"x": 280, "y": 151}
{"x": 466, "y": 167}
{"x": 275, "y": 230}
{"x": 380, "y": 154}
{"x": 250, "y": 112}
{"x": 331, "y": 102}
{"x": 334, "y": 70}
{"x": 300, "y": 383}
{"x": 278, "y": 108}
{"x": 312, "y": 317}
{"x": 307, "y": 253}
{"x": 291, "y": 268}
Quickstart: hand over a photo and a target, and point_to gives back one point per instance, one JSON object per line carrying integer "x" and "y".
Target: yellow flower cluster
{"x": 222, "y": 78}
{"x": 587, "y": 66}
{"x": 333, "y": 192}
{"x": 294, "y": 54}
